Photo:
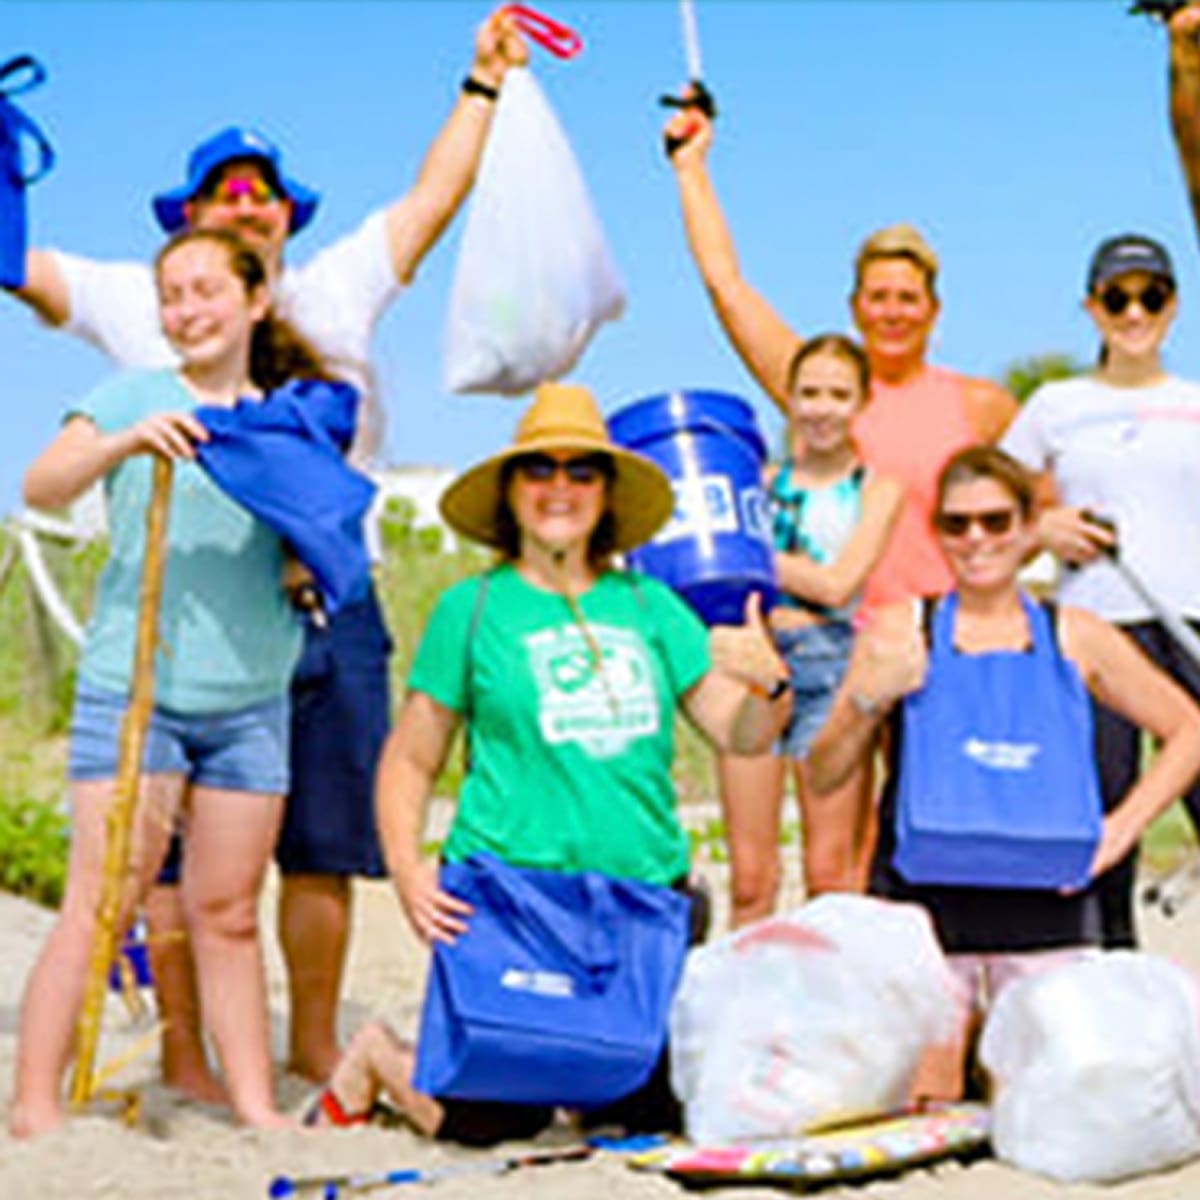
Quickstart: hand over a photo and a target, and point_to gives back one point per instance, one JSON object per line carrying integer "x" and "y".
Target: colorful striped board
{"x": 867, "y": 1149}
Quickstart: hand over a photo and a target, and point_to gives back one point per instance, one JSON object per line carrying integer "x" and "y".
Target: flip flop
{"x": 327, "y": 1105}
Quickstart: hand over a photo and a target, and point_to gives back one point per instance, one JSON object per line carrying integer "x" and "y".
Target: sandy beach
{"x": 185, "y": 1150}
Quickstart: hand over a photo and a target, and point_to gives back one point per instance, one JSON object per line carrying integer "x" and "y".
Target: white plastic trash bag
{"x": 534, "y": 279}
{"x": 815, "y": 1016}
{"x": 1095, "y": 1067}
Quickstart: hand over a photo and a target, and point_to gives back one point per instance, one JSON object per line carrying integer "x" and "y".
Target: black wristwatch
{"x": 476, "y": 87}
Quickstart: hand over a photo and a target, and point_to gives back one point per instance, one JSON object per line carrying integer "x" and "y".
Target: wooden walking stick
{"x": 123, "y": 807}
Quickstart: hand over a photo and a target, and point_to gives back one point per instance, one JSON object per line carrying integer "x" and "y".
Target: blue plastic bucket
{"x": 716, "y": 549}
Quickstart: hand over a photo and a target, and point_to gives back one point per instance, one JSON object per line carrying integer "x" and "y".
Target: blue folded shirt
{"x": 282, "y": 458}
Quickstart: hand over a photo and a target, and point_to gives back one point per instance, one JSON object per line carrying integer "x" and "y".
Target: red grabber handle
{"x": 561, "y": 40}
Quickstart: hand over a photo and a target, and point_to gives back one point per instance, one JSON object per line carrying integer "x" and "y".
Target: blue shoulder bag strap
{"x": 929, "y": 607}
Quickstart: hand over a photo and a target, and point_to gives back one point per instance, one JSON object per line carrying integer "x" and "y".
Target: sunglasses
{"x": 541, "y": 468}
{"x": 233, "y": 186}
{"x": 995, "y": 521}
{"x": 1153, "y": 299}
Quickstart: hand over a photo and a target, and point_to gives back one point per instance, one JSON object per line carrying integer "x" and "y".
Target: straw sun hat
{"x": 563, "y": 417}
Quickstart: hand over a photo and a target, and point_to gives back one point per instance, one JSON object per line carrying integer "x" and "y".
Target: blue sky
{"x": 1017, "y": 133}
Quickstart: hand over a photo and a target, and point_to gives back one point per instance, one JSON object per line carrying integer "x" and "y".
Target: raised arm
{"x": 834, "y": 584}
{"x": 416, "y": 221}
{"x": 412, "y": 759}
{"x": 45, "y": 290}
{"x": 1184, "y": 32}
{"x": 756, "y": 331}
{"x": 1122, "y": 678}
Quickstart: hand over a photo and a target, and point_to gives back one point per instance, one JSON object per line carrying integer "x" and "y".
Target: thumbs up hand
{"x": 747, "y": 652}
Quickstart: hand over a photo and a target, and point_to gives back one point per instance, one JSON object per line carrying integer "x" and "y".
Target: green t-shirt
{"x": 570, "y": 765}
{"x": 229, "y": 637}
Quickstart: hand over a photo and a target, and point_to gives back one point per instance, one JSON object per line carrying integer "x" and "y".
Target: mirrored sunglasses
{"x": 233, "y": 186}
{"x": 541, "y": 468}
{"x": 1153, "y": 298}
{"x": 995, "y": 521}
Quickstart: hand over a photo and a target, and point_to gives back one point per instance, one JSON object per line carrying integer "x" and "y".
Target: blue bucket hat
{"x": 227, "y": 146}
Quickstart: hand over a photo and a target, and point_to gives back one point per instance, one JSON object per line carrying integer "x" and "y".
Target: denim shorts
{"x": 245, "y": 750}
{"x": 816, "y": 657}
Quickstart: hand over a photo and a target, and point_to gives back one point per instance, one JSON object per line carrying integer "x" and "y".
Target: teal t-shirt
{"x": 570, "y": 764}
{"x": 229, "y": 638}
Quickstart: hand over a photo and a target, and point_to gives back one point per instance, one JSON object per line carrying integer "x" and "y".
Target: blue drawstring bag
{"x": 25, "y": 156}
{"x": 282, "y": 459}
{"x": 998, "y": 782}
{"x": 559, "y": 991}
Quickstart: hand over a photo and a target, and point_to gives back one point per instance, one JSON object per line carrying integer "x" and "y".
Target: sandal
{"x": 328, "y": 1106}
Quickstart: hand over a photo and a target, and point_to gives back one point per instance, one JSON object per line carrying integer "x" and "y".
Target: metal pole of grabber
{"x": 1176, "y": 888}
{"x": 123, "y": 806}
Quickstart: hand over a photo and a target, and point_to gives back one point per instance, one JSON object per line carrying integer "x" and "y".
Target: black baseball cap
{"x": 1128, "y": 252}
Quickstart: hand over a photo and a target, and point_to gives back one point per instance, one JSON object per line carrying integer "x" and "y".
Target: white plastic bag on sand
{"x": 802, "y": 1019}
{"x": 1096, "y": 1068}
{"x": 534, "y": 279}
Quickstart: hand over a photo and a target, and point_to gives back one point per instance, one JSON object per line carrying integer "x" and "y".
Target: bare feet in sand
{"x": 197, "y": 1084}
{"x": 26, "y": 1122}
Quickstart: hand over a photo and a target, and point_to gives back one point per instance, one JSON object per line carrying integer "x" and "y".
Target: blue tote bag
{"x": 998, "y": 783}
{"x": 25, "y": 156}
{"x": 559, "y": 991}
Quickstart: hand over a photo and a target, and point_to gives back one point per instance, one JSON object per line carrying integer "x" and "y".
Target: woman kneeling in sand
{"x": 987, "y": 656}
{"x": 556, "y": 504}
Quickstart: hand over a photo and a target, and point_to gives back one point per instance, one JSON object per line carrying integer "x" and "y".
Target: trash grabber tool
{"x": 697, "y": 96}
{"x": 1185, "y": 636}
{"x": 1176, "y": 888}
{"x": 1172, "y": 891}
{"x": 1160, "y": 10}
{"x": 328, "y": 1187}
{"x": 123, "y": 807}
{"x": 561, "y": 40}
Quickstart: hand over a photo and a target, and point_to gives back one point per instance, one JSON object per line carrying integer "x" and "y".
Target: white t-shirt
{"x": 334, "y": 300}
{"x": 1132, "y": 454}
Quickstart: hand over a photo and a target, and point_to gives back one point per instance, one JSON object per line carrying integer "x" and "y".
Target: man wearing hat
{"x": 236, "y": 180}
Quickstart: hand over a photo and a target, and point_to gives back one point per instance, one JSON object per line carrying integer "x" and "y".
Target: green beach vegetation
{"x": 37, "y": 675}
